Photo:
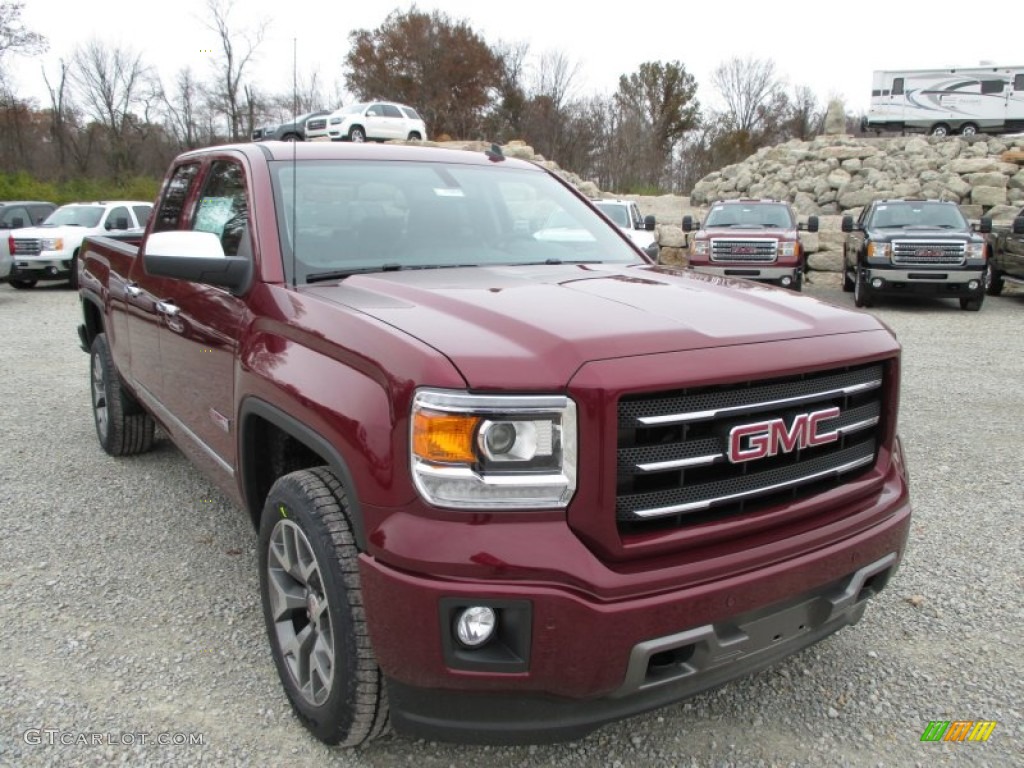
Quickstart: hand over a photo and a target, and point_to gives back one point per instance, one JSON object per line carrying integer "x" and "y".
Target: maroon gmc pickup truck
{"x": 511, "y": 480}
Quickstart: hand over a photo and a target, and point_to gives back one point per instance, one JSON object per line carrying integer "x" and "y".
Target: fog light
{"x": 476, "y": 625}
{"x": 973, "y": 285}
{"x": 52, "y": 270}
{"x": 877, "y": 282}
{"x": 786, "y": 281}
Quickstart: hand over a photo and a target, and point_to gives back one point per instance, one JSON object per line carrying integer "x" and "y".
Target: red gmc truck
{"x": 754, "y": 239}
{"x": 511, "y": 481}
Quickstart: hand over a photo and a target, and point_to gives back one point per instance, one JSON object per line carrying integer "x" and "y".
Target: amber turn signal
{"x": 445, "y": 437}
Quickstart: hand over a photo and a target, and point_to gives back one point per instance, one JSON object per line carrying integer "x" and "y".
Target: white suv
{"x": 625, "y": 214}
{"x": 376, "y": 121}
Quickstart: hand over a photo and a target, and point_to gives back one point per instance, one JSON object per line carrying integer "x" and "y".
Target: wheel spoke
{"x": 287, "y": 596}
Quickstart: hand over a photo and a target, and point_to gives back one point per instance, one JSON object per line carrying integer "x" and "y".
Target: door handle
{"x": 133, "y": 290}
{"x": 168, "y": 308}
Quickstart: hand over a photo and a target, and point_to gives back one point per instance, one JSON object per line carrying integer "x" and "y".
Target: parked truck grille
{"x": 683, "y": 456}
{"x": 24, "y": 247}
{"x": 316, "y": 125}
{"x": 760, "y": 250}
{"x": 922, "y": 252}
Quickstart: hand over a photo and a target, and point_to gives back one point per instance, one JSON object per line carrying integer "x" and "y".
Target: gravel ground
{"x": 129, "y": 602}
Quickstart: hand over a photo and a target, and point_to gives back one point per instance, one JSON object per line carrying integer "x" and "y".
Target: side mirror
{"x": 985, "y": 225}
{"x": 649, "y": 223}
{"x": 1018, "y": 225}
{"x": 688, "y": 224}
{"x": 197, "y": 257}
{"x": 847, "y": 225}
{"x": 812, "y": 223}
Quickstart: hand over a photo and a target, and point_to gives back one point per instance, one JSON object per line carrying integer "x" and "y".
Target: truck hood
{"x": 496, "y": 323}
{"x": 911, "y": 233}
{"x": 734, "y": 232}
{"x": 34, "y": 233}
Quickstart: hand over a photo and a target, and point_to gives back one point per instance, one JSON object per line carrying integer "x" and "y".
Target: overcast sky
{"x": 831, "y": 47}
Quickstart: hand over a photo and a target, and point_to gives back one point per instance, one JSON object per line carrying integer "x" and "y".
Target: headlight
{"x": 700, "y": 248}
{"x": 493, "y": 451}
{"x": 788, "y": 249}
{"x": 879, "y": 250}
{"x": 335, "y": 120}
{"x": 975, "y": 250}
{"x": 52, "y": 244}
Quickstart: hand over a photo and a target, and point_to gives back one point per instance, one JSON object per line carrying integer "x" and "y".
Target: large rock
{"x": 671, "y": 236}
{"x": 967, "y": 165}
{"x": 1002, "y": 213}
{"x": 826, "y": 261}
{"x": 990, "y": 179}
{"x": 856, "y": 198}
{"x": 838, "y": 178}
{"x": 987, "y": 196}
{"x": 835, "y": 118}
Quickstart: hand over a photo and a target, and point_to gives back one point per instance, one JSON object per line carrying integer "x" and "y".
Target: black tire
{"x": 847, "y": 281}
{"x": 861, "y": 293}
{"x": 291, "y": 137}
{"x": 357, "y": 134}
{"x": 308, "y": 552}
{"x": 798, "y": 283}
{"x": 22, "y": 284}
{"x": 993, "y": 280}
{"x": 972, "y": 305}
{"x": 968, "y": 129}
{"x": 939, "y": 129}
{"x": 122, "y": 426}
{"x": 415, "y": 136}
{"x": 73, "y": 278}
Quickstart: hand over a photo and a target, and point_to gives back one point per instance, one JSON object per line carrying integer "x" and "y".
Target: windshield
{"x": 616, "y": 213}
{"x": 917, "y": 214}
{"x": 358, "y": 216}
{"x": 75, "y": 216}
{"x": 753, "y": 215}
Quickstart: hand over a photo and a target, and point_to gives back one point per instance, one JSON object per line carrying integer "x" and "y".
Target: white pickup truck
{"x": 50, "y": 251}
{"x": 625, "y": 214}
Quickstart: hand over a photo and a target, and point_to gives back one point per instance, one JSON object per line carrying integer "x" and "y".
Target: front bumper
{"x": 752, "y": 272}
{"x": 40, "y": 268}
{"x": 659, "y": 672}
{"x": 573, "y": 660}
{"x": 933, "y": 282}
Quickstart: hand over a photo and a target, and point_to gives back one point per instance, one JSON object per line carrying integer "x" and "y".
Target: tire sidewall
{"x": 336, "y": 715}
{"x": 100, "y": 356}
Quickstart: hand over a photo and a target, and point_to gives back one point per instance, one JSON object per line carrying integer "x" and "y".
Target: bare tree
{"x": 14, "y": 38}
{"x": 237, "y": 51}
{"x": 114, "y": 85}
{"x": 182, "y": 105}
{"x": 749, "y": 87}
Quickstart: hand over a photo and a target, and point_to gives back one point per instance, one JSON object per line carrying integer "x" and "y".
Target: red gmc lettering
{"x": 768, "y": 438}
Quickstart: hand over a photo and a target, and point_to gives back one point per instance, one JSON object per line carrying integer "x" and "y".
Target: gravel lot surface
{"x": 129, "y": 601}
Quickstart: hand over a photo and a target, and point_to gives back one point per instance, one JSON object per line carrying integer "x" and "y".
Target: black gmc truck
{"x": 1006, "y": 262}
{"x": 914, "y": 247}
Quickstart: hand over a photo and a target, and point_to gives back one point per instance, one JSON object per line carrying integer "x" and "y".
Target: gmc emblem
{"x": 770, "y": 438}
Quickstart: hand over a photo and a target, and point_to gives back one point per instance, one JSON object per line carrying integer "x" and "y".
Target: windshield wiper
{"x": 341, "y": 274}
{"x": 555, "y": 261}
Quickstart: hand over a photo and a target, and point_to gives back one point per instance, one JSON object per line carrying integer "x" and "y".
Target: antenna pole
{"x": 295, "y": 179}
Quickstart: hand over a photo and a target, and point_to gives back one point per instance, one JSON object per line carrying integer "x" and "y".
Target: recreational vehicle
{"x": 941, "y": 102}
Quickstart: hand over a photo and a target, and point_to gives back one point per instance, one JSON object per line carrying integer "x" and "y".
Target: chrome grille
{"x": 672, "y": 463}
{"x": 754, "y": 250}
{"x": 923, "y": 252}
{"x": 25, "y": 247}
{"x": 316, "y": 125}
